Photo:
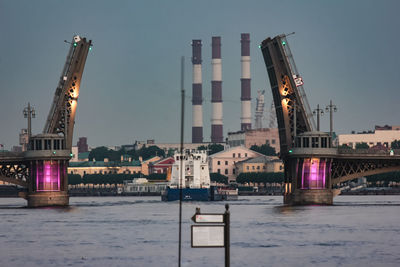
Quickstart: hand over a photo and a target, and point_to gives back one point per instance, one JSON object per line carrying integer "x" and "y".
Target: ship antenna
{"x": 181, "y": 162}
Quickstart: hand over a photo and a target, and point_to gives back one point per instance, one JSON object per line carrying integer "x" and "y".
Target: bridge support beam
{"x": 46, "y": 199}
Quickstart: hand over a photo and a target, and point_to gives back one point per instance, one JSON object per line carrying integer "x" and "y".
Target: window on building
{"x": 245, "y": 154}
{"x": 226, "y": 162}
{"x": 38, "y": 145}
{"x": 273, "y": 141}
{"x": 297, "y": 141}
{"x": 218, "y": 171}
{"x": 247, "y": 167}
{"x": 258, "y": 167}
{"x": 306, "y": 142}
{"x": 84, "y": 172}
{"x": 233, "y": 155}
{"x": 218, "y": 162}
{"x": 56, "y": 144}
{"x": 264, "y": 167}
{"x": 324, "y": 142}
{"x": 226, "y": 171}
{"x": 238, "y": 155}
{"x": 314, "y": 142}
{"x": 253, "y": 167}
{"x": 234, "y": 171}
{"x": 47, "y": 144}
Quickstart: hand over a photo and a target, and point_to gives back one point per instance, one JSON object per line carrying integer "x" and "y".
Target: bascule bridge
{"x": 312, "y": 164}
{"x": 42, "y": 169}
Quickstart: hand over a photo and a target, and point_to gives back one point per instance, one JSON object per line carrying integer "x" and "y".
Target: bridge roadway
{"x": 14, "y": 168}
{"x": 348, "y": 164}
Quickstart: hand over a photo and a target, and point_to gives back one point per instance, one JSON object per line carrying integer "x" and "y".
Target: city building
{"x": 23, "y": 139}
{"x": 161, "y": 166}
{"x": 260, "y": 164}
{"x": 111, "y": 167}
{"x": 82, "y": 145}
{"x": 382, "y": 136}
{"x": 256, "y": 137}
{"x": 224, "y": 161}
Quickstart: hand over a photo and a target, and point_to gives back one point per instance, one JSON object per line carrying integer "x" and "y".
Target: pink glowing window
{"x": 314, "y": 173}
{"x": 48, "y": 176}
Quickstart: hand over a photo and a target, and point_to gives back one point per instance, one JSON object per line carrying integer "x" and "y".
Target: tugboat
{"x": 195, "y": 180}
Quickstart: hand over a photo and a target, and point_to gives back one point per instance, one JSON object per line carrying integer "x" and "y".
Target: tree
{"x": 151, "y": 151}
{"x": 74, "y": 179}
{"x": 215, "y": 148}
{"x": 260, "y": 177}
{"x": 219, "y": 178}
{"x": 265, "y": 149}
{"x": 99, "y": 153}
{"x": 344, "y": 146}
{"x": 362, "y": 145}
{"x": 395, "y": 144}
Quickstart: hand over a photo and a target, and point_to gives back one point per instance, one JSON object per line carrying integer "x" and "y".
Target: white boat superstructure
{"x": 195, "y": 170}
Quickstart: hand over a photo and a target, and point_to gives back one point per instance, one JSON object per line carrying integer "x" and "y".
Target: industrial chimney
{"x": 197, "y": 99}
{"x": 216, "y": 92}
{"x": 245, "y": 83}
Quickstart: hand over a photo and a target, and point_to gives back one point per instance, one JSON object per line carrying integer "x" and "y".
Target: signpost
{"x": 212, "y": 230}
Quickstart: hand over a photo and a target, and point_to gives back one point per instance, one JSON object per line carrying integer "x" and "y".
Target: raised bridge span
{"x": 42, "y": 169}
{"x": 312, "y": 163}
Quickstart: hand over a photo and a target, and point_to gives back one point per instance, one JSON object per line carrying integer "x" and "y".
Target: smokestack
{"x": 245, "y": 83}
{"x": 216, "y": 92}
{"x": 197, "y": 99}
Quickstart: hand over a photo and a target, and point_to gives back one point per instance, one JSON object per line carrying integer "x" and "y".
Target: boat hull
{"x": 188, "y": 194}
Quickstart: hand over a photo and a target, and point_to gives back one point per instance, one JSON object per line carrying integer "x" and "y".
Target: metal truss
{"x": 348, "y": 169}
{"x": 15, "y": 173}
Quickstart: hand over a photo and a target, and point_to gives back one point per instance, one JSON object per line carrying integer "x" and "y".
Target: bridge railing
{"x": 369, "y": 151}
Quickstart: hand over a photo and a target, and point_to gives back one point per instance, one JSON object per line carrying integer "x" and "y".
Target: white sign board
{"x": 207, "y": 236}
{"x": 209, "y": 218}
{"x": 298, "y": 80}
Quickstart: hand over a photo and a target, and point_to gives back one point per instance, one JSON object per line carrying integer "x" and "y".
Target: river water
{"x": 142, "y": 231}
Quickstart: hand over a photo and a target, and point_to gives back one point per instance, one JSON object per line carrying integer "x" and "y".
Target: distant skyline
{"x": 344, "y": 50}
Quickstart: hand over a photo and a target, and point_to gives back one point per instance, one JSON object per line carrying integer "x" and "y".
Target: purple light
{"x": 48, "y": 176}
{"x": 313, "y": 174}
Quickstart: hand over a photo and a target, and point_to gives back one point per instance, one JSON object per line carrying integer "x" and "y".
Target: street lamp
{"x": 319, "y": 112}
{"x": 331, "y": 108}
{"x": 29, "y": 112}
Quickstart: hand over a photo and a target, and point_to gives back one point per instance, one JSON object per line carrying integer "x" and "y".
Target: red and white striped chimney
{"x": 216, "y": 92}
{"x": 197, "y": 99}
{"x": 245, "y": 83}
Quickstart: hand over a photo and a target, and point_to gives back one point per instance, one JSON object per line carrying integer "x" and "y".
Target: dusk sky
{"x": 346, "y": 51}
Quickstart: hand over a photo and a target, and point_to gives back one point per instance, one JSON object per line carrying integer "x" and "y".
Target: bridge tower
{"x": 306, "y": 154}
{"x": 48, "y": 153}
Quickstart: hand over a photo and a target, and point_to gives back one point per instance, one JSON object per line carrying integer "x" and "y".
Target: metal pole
{"x": 294, "y": 120}
{"x": 29, "y": 122}
{"x": 318, "y": 112}
{"x": 227, "y": 220}
{"x": 181, "y": 163}
{"x": 331, "y": 119}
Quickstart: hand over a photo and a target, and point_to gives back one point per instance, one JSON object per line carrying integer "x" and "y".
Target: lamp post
{"x": 331, "y": 108}
{"x": 29, "y": 112}
{"x": 319, "y": 112}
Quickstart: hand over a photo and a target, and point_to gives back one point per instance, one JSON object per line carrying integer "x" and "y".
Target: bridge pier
{"x": 48, "y": 162}
{"x": 308, "y": 170}
{"x": 309, "y": 197}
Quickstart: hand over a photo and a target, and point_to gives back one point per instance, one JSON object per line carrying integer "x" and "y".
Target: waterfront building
{"x": 382, "y": 136}
{"x": 161, "y": 166}
{"x": 260, "y": 164}
{"x": 111, "y": 167}
{"x": 224, "y": 161}
{"x": 142, "y": 185}
{"x": 258, "y": 137}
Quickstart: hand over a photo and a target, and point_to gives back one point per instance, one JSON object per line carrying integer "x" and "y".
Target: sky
{"x": 345, "y": 50}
